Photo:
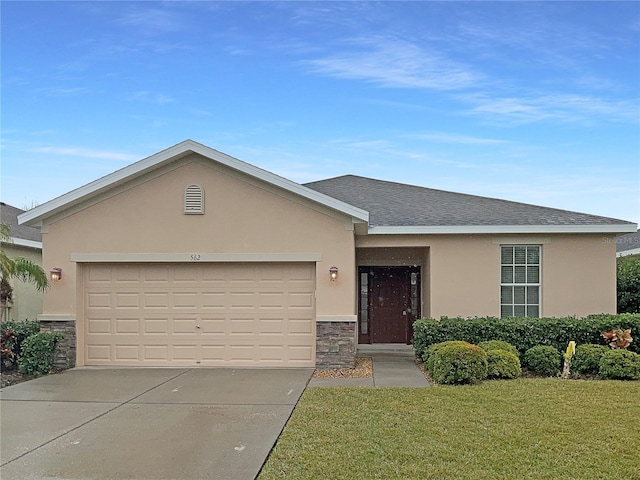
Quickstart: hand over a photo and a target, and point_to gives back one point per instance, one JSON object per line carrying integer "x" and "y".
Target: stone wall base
{"x": 336, "y": 344}
{"x": 65, "y": 355}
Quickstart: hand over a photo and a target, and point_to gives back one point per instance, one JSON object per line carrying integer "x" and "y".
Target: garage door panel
{"x": 98, "y": 353}
{"x": 200, "y": 314}
{"x": 126, "y": 353}
{"x": 99, "y": 326}
{"x": 126, "y": 326}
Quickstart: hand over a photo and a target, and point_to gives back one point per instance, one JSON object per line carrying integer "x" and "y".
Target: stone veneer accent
{"x": 65, "y": 354}
{"x": 336, "y": 344}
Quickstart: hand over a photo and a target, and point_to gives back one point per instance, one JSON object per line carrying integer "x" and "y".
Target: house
{"x": 191, "y": 257}
{"x": 25, "y": 241}
{"x": 628, "y": 244}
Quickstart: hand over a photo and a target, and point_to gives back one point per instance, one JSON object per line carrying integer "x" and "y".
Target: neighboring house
{"x": 628, "y": 244}
{"x": 191, "y": 257}
{"x": 25, "y": 241}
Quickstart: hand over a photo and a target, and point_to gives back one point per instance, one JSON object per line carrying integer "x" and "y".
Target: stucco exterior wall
{"x": 461, "y": 276}
{"x": 242, "y": 215}
{"x": 27, "y": 300}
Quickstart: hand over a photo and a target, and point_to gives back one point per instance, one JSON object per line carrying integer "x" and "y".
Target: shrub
{"x": 628, "y": 283}
{"x": 587, "y": 359}
{"x": 13, "y": 335}
{"x": 458, "y": 363}
{"x": 37, "y": 353}
{"x": 7, "y": 348}
{"x": 620, "y": 365}
{"x": 502, "y": 364}
{"x": 498, "y": 345}
{"x": 523, "y": 333}
{"x": 543, "y": 360}
{"x": 618, "y": 338}
{"x": 428, "y": 356}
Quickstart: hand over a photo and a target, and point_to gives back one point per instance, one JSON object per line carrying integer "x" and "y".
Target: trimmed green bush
{"x": 628, "y": 284}
{"x": 543, "y": 360}
{"x": 620, "y": 365}
{"x": 458, "y": 363}
{"x": 502, "y": 364}
{"x": 586, "y": 360}
{"x": 37, "y": 353}
{"x": 427, "y": 356}
{"x": 523, "y": 333}
{"x": 498, "y": 345}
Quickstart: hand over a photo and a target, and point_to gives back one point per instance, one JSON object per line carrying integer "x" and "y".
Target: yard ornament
{"x": 568, "y": 355}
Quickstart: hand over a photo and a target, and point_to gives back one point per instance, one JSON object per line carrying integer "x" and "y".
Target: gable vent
{"x": 194, "y": 200}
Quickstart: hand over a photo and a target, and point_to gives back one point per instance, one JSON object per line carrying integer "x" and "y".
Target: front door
{"x": 389, "y": 303}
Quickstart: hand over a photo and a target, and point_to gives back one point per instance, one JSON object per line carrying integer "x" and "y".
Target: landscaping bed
{"x": 11, "y": 377}
{"x": 363, "y": 369}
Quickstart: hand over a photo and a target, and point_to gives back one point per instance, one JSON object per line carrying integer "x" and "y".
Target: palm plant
{"x": 18, "y": 267}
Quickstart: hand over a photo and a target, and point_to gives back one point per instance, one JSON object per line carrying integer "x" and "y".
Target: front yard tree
{"x": 18, "y": 267}
{"x": 628, "y": 275}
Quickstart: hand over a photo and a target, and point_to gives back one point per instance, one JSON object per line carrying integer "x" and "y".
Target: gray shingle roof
{"x": 9, "y": 215}
{"x": 631, "y": 241}
{"x": 397, "y": 204}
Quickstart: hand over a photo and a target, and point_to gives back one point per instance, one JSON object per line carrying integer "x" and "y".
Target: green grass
{"x": 514, "y": 429}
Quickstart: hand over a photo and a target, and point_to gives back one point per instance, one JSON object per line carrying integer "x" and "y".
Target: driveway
{"x": 146, "y": 423}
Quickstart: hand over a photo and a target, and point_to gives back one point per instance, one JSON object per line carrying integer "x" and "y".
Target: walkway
{"x": 393, "y": 366}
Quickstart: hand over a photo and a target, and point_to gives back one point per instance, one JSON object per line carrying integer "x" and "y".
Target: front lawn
{"x": 516, "y": 429}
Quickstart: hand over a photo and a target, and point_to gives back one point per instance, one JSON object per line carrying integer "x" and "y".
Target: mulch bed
{"x": 11, "y": 377}
{"x": 363, "y": 369}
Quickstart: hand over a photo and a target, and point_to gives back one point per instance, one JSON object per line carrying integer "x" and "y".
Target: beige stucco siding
{"x": 461, "y": 273}
{"x": 27, "y": 300}
{"x": 242, "y": 215}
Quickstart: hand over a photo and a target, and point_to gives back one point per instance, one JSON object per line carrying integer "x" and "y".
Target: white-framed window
{"x": 194, "y": 200}
{"x": 520, "y": 280}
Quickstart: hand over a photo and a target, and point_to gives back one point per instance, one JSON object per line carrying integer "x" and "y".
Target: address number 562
{"x": 195, "y": 257}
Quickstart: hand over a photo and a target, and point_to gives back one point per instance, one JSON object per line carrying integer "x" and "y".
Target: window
{"x": 520, "y": 281}
{"x": 194, "y": 200}
{"x": 364, "y": 302}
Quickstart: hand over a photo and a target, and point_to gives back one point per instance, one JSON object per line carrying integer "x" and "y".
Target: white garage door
{"x": 215, "y": 314}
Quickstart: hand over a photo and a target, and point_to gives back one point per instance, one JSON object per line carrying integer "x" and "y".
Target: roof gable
{"x": 146, "y": 165}
{"x": 400, "y": 208}
{"x": 20, "y": 234}
{"x": 628, "y": 244}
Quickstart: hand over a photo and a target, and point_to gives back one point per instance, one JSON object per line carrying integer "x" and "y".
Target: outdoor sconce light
{"x": 333, "y": 273}
{"x": 56, "y": 274}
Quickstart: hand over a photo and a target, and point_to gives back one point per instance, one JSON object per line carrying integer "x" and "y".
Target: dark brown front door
{"x": 390, "y": 296}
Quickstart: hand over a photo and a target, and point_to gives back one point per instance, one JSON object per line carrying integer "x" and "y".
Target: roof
{"x": 35, "y": 216}
{"x": 23, "y": 235}
{"x": 628, "y": 244}
{"x": 400, "y": 208}
{"x": 379, "y": 207}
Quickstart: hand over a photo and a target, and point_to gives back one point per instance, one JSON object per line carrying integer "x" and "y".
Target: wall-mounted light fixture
{"x": 55, "y": 274}
{"x": 333, "y": 273}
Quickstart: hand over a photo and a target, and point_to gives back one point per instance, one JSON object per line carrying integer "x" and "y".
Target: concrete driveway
{"x": 146, "y": 423}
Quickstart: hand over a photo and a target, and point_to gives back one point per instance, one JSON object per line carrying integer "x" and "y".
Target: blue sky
{"x": 533, "y": 102}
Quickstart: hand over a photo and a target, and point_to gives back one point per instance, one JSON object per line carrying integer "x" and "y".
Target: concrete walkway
{"x": 393, "y": 366}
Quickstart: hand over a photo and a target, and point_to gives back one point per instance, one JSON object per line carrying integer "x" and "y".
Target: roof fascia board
{"x": 21, "y": 242}
{"x": 33, "y": 216}
{"x": 490, "y": 229}
{"x": 625, "y": 253}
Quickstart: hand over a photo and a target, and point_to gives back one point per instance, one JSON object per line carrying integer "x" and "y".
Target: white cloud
{"x": 564, "y": 107}
{"x": 150, "y": 97}
{"x": 457, "y": 139}
{"x": 396, "y": 63}
{"x": 87, "y": 153}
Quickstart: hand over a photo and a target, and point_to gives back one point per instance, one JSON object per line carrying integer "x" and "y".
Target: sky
{"x": 536, "y": 102}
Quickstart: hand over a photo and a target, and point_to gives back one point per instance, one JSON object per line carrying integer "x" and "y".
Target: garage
{"x": 199, "y": 314}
